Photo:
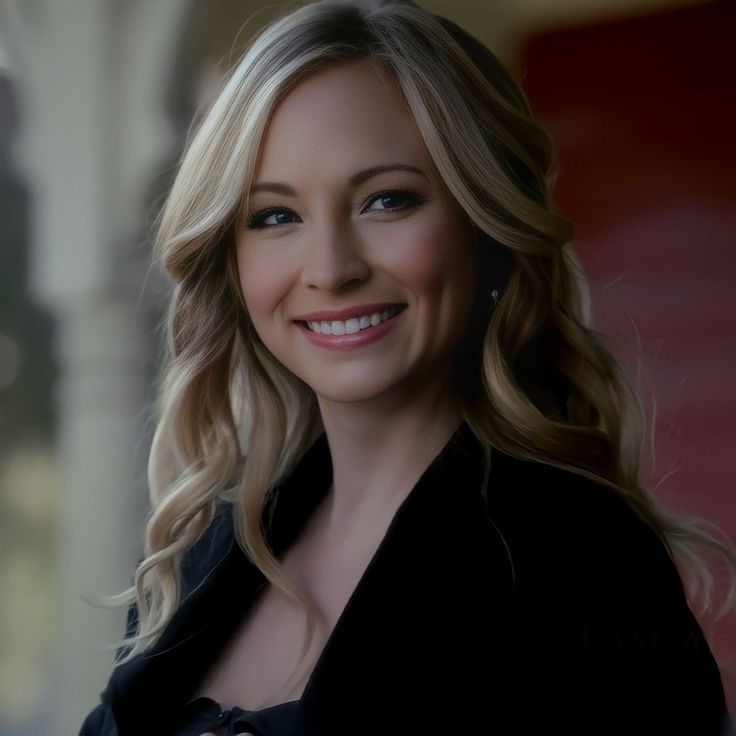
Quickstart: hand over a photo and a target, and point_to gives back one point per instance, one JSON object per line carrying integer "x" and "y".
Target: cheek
{"x": 438, "y": 261}
{"x": 263, "y": 281}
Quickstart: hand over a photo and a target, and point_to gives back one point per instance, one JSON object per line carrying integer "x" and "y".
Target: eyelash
{"x": 255, "y": 222}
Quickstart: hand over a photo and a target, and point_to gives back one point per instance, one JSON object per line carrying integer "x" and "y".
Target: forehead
{"x": 337, "y": 120}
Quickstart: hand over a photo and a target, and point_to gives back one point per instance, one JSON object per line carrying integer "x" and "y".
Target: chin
{"x": 354, "y": 386}
{"x": 349, "y": 392}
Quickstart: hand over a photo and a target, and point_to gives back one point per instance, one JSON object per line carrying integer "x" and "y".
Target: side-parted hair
{"x": 537, "y": 382}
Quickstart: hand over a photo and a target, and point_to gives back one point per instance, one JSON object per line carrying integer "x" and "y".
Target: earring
{"x": 494, "y": 296}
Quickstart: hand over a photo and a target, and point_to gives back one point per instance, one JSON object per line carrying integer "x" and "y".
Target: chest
{"x": 406, "y": 616}
{"x": 404, "y": 604}
{"x": 271, "y": 656}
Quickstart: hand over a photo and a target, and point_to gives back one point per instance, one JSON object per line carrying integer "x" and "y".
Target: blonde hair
{"x": 537, "y": 381}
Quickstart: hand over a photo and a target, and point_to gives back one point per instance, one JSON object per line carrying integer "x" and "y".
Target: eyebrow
{"x": 353, "y": 181}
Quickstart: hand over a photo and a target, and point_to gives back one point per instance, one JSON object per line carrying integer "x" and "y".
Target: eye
{"x": 394, "y": 200}
{"x": 271, "y": 217}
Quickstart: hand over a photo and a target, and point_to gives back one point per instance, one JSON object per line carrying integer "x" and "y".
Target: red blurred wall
{"x": 643, "y": 114}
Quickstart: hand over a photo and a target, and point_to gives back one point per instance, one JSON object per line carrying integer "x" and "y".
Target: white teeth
{"x": 353, "y": 325}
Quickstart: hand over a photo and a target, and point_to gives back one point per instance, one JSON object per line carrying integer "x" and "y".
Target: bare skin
{"x": 387, "y": 407}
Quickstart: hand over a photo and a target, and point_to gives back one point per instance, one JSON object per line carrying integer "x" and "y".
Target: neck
{"x": 379, "y": 450}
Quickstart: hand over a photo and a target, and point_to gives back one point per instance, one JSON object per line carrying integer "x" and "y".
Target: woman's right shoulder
{"x": 209, "y": 550}
{"x": 199, "y": 562}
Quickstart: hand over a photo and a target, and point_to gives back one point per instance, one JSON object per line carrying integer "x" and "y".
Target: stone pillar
{"x": 96, "y": 79}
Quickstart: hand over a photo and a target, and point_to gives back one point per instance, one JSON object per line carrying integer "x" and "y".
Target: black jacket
{"x": 549, "y": 609}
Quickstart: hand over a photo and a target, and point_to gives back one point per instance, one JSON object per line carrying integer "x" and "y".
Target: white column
{"x": 95, "y": 79}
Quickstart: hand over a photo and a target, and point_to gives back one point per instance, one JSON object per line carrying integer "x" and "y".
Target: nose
{"x": 333, "y": 259}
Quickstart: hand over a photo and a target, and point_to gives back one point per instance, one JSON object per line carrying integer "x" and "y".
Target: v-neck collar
{"x": 166, "y": 676}
{"x": 291, "y": 505}
{"x": 456, "y": 469}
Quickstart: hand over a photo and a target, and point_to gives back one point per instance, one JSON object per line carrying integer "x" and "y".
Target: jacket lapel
{"x": 419, "y": 612}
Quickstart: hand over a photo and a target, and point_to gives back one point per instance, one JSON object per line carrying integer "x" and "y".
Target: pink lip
{"x": 344, "y": 314}
{"x": 350, "y": 342}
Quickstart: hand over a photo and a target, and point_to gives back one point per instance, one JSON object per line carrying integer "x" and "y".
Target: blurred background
{"x": 96, "y": 98}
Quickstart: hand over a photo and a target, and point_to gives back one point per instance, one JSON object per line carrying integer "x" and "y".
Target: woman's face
{"x": 357, "y": 265}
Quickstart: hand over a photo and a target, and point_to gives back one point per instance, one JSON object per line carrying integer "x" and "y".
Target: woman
{"x": 438, "y": 526}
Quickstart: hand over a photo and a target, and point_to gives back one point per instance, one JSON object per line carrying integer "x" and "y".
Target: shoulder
{"x": 535, "y": 498}
{"x": 582, "y": 537}
{"x": 198, "y": 562}
{"x": 209, "y": 551}
{"x": 599, "y": 605}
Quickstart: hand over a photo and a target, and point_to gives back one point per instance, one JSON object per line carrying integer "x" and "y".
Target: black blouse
{"x": 545, "y": 606}
{"x": 204, "y": 715}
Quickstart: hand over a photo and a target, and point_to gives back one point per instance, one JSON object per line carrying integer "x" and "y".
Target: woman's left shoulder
{"x": 601, "y": 608}
{"x": 584, "y": 534}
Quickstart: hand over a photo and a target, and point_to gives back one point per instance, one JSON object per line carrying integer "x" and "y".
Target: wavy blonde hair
{"x": 537, "y": 381}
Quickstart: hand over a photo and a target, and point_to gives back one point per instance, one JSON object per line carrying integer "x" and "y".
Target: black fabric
{"x": 204, "y": 715}
{"x": 547, "y": 607}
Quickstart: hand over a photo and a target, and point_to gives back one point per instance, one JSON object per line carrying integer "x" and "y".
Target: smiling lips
{"x": 350, "y": 328}
{"x": 354, "y": 324}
